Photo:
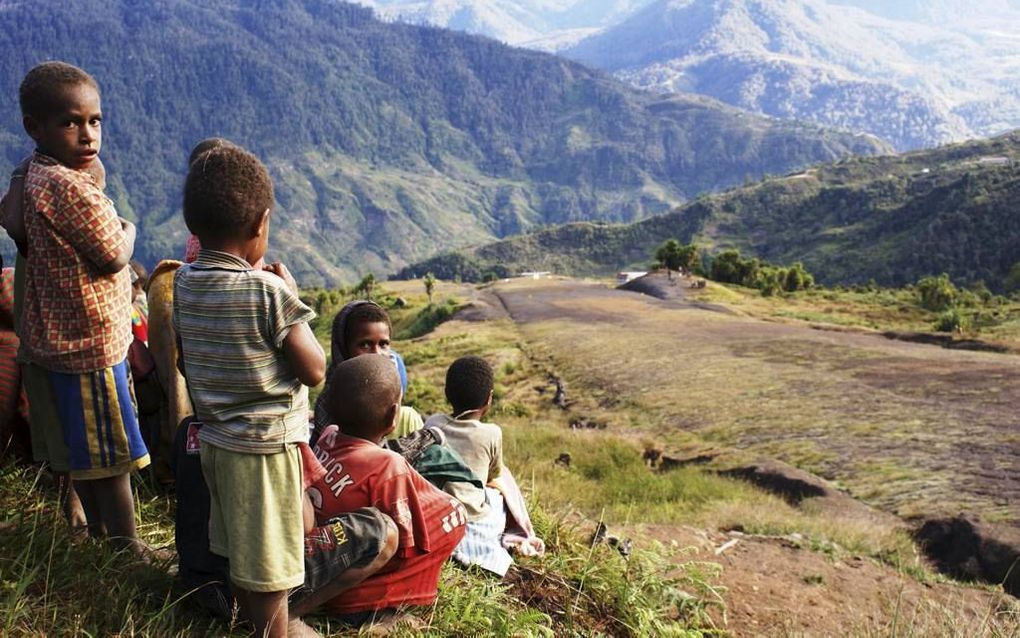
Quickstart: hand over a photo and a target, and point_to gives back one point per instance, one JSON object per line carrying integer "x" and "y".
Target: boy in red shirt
{"x": 365, "y": 400}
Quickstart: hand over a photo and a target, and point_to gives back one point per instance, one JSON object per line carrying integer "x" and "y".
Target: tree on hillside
{"x": 675, "y": 256}
{"x": 937, "y": 293}
{"x": 430, "y": 285}
{"x": 1012, "y": 282}
{"x": 366, "y": 285}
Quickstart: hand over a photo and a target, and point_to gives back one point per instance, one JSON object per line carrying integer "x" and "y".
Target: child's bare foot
{"x": 296, "y": 628}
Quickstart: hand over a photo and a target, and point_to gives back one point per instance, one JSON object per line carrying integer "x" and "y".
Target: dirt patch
{"x": 484, "y": 306}
{"x": 947, "y": 341}
{"x": 971, "y": 550}
{"x": 914, "y": 430}
{"x": 553, "y": 595}
{"x": 775, "y": 586}
{"x": 658, "y": 285}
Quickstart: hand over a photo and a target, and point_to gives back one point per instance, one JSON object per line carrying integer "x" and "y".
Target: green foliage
{"x": 365, "y": 286}
{"x": 430, "y": 285}
{"x": 428, "y": 318}
{"x": 953, "y": 320}
{"x": 729, "y": 267}
{"x": 673, "y": 255}
{"x": 937, "y": 293}
{"x": 1012, "y": 281}
{"x": 884, "y": 219}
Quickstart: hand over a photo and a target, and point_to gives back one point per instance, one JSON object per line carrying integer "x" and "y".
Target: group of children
{"x": 351, "y": 509}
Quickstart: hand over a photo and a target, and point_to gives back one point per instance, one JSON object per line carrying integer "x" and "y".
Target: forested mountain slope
{"x": 895, "y": 219}
{"x": 388, "y": 142}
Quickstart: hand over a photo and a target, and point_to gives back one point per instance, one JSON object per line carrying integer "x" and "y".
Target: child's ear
{"x": 32, "y": 127}
{"x": 392, "y": 413}
{"x": 262, "y": 226}
{"x": 485, "y": 408}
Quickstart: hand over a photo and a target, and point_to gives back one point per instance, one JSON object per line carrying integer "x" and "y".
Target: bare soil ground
{"x": 774, "y": 586}
{"x": 913, "y": 429}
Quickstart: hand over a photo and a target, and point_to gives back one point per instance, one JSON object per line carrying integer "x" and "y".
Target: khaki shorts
{"x": 255, "y": 516}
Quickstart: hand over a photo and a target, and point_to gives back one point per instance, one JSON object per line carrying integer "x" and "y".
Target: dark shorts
{"x": 350, "y": 540}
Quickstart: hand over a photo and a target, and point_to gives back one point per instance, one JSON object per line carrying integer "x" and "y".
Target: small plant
{"x": 953, "y": 320}
{"x": 366, "y": 285}
{"x": 430, "y": 285}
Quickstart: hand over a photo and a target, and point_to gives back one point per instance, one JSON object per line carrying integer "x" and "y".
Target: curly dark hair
{"x": 41, "y": 91}
{"x": 469, "y": 381}
{"x": 226, "y": 192}
{"x": 207, "y": 144}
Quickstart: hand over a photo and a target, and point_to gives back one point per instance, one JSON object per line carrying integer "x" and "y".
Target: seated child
{"x": 174, "y": 402}
{"x": 469, "y": 386}
{"x": 364, "y": 396}
{"x": 338, "y": 555}
{"x": 77, "y": 253}
{"x": 363, "y": 327}
{"x": 247, "y": 370}
{"x": 14, "y": 432}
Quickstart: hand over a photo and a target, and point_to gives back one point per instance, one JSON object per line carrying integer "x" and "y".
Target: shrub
{"x": 952, "y": 320}
{"x": 937, "y": 293}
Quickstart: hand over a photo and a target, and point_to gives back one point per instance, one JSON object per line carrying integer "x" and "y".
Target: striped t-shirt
{"x": 232, "y": 321}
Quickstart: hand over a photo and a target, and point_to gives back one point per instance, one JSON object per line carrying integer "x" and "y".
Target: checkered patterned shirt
{"x": 76, "y": 319}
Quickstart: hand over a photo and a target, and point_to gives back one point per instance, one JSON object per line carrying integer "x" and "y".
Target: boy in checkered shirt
{"x": 76, "y": 323}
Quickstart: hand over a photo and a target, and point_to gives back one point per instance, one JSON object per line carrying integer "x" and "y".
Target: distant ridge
{"x": 893, "y": 219}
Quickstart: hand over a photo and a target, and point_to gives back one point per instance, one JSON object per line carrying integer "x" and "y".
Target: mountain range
{"x": 917, "y": 73}
{"x": 387, "y": 142}
{"x": 893, "y": 219}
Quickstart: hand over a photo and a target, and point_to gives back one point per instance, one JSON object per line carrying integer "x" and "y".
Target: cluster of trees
{"x": 672, "y": 255}
{"x": 960, "y": 309}
{"x": 729, "y": 267}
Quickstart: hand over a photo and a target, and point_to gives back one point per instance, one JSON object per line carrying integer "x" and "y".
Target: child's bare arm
{"x": 305, "y": 355}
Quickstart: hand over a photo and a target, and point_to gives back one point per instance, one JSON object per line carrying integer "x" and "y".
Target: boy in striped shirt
{"x": 248, "y": 354}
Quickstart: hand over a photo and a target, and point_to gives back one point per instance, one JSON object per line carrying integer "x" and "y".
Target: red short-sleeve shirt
{"x": 430, "y": 522}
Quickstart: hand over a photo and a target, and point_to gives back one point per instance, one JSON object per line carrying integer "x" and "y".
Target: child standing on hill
{"x": 248, "y": 353}
{"x": 76, "y": 322}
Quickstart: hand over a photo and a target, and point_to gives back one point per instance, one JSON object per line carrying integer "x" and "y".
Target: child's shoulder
{"x": 54, "y": 176}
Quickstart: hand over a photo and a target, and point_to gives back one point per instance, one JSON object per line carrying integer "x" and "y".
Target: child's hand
{"x": 281, "y": 271}
{"x": 130, "y": 232}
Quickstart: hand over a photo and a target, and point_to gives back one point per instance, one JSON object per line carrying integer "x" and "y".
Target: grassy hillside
{"x": 677, "y": 582}
{"x": 388, "y": 142}
{"x": 893, "y": 219}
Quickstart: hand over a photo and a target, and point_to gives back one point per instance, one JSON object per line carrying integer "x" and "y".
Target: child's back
{"x": 481, "y": 446}
{"x": 232, "y": 321}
